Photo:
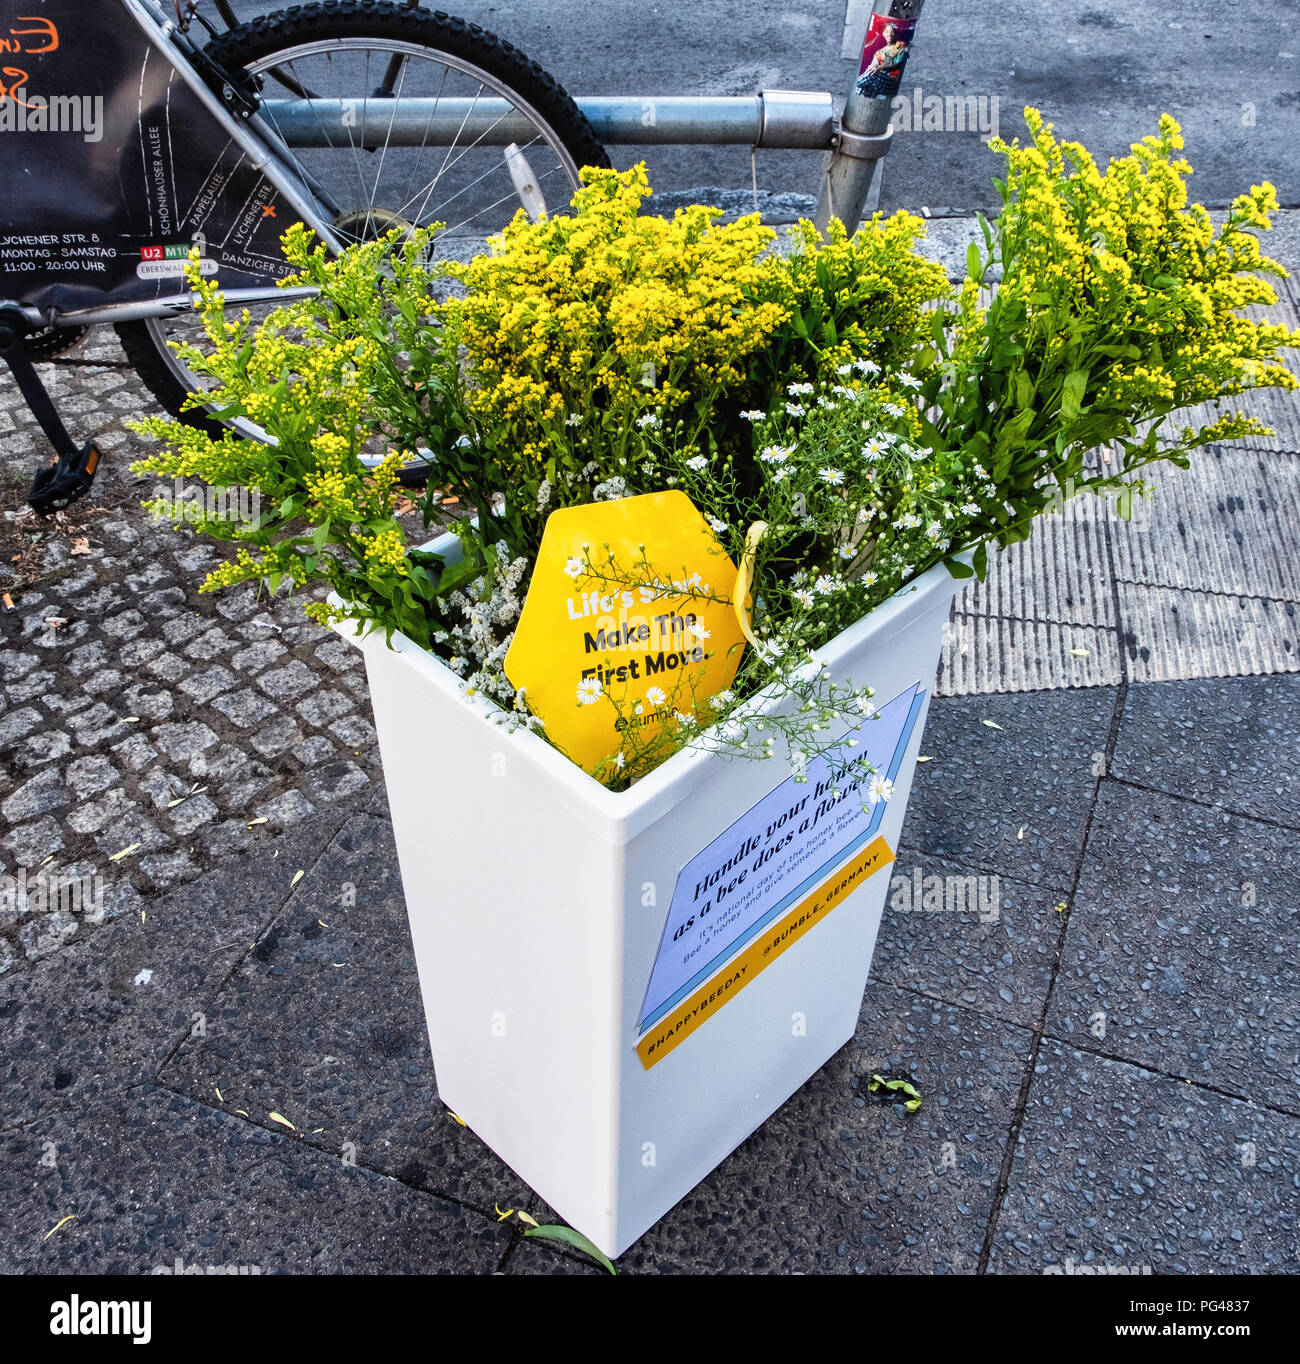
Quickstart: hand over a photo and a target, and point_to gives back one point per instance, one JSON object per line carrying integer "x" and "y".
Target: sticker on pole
{"x": 628, "y": 630}
{"x": 774, "y": 856}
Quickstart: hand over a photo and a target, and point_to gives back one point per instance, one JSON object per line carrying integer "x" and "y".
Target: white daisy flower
{"x": 823, "y": 585}
{"x": 866, "y": 367}
{"x": 832, "y": 476}
{"x": 844, "y": 370}
{"x": 893, "y": 409}
{"x": 804, "y": 597}
{"x": 656, "y": 696}
{"x": 649, "y": 420}
{"x": 683, "y": 719}
{"x": 795, "y": 390}
{"x": 864, "y": 515}
{"x": 718, "y": 526}
{"x": 699, "y": 631}
{"x": 589, "y": 690}
{"x": 795, "y": 409}
{"x": 970, "y": 509}
{"x": 847, "y": 551}
{"x": 909, "y": 381}
{"x": 573, "y": 419}
{"x": 697, "y": 462}
{"x": 881, "y": 788}
{"x": 754, "y": 415}
{"x": 874, "y": 449}
{"x": 870, "y": 579}
{"x": 573, "y": 567}
{"x": 723, "y": 698}
{"x": 934, "y": 530}
{"x": 619, "y": 762}
{"x": 776, "y": 454}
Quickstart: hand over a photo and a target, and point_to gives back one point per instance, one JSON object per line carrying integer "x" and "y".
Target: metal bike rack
{"x": 793, "y": 120}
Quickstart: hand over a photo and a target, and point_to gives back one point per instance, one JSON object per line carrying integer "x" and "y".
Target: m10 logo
{"x": 165, "y": 252}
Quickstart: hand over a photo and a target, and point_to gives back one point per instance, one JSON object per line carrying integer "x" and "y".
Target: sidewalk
{"x": 1108, "y": 1062}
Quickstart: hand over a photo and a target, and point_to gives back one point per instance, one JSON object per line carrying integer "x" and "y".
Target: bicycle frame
{"x": 252, "y": 139}
{"x": 801, "y": 120}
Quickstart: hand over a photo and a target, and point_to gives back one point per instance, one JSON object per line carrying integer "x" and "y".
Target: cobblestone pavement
{"x": 196, "y": 753}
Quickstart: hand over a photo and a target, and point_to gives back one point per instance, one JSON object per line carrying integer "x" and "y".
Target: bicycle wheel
{"x": 409, "y": 164}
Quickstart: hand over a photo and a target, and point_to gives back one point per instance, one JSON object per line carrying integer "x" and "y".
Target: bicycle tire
{"x": 258, "y": 42}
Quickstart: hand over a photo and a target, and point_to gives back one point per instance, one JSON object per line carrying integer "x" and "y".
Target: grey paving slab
{"x": 534, "y": 1257}
{"x": 1183, "y": 946}
{"x": 149, "y": 1178}
{"x": 104, "y": 1012}
{"x": 1052, "y": 576}
{"x": 1174, "y": 633}
{"x": 1225, "y": 524}
{"x": 1119, "y": 1169}
{"x": 986, "y": 942}
{"x": 1233, "y": 742}
{"x": 838, "y": 1181}
{"x": 323, "y": 1024}
{"x": 1035, "y": 773}
{"x": 984, "y": 654}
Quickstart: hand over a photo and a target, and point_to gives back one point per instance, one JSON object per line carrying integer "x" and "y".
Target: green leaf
{"x": 1024, "y": 390}
{"x": 959, "y": 569}
{"x": 575, "y": 1239}
{"x": 1072, "y": 391}
{"x": 974, "y": 263}
{"x": 980, "y": 560}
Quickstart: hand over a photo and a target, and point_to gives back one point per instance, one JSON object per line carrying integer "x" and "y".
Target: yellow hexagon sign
{"x": 628, "y": 630}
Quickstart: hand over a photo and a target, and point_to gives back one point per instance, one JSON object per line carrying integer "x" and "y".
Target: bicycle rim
{"x": 367, "y": 184}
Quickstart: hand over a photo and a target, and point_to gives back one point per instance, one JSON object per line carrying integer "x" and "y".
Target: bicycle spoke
{"x": 383, "y": 155}
{"x": 424, "y": 139}
{"x": 491, "y": 170}
{"x": 555, "y": 170}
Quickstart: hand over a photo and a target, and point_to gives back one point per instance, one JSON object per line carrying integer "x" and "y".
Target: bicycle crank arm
{"x": 70, "y": 477}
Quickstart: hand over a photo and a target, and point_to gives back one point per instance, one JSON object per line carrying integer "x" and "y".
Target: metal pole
{"x": 865, "y": 129}
{"x": 789, "y": 119}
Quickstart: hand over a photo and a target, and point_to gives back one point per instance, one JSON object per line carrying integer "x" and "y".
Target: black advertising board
{"x": 111, "y": 169}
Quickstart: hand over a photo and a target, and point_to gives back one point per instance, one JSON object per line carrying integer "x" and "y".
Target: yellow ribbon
{"x": 745, "y": 577}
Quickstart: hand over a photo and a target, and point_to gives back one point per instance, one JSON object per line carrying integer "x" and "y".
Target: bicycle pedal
{"x": 63, "y": 483}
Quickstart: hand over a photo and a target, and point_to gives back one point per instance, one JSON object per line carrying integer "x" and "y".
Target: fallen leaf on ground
{"x": 58, "y": 1224}
{"x": 991, "y": 724}
{"x": 277, "y": 1117}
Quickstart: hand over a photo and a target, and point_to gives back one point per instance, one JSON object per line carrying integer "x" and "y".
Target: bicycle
{"x": 357, "y": 117}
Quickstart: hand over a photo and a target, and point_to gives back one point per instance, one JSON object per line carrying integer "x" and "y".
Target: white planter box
{"x": 527, "y": 885}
